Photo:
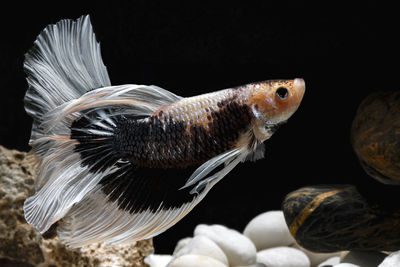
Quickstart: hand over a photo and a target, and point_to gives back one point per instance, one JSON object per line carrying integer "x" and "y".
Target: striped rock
{"x": 333, "y": 218}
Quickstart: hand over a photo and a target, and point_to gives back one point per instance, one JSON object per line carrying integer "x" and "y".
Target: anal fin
{"x": 130, "y": 204}
{"x": 256, "y": 154}
{"x": 205, "y": 175}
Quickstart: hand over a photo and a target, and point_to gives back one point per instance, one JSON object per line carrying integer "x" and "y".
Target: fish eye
{"x": 282, "y": 93}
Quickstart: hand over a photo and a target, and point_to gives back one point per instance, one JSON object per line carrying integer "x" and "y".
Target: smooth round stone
{"x": 331, "y": 218}
{"x": 202, "y": 245}
{"x": 258, "y": 264}
{"x": 195, "y": 261}
{"x": 181, "y": 243}
{"x": 154, "y": 260}
{"x": 330, "y": 262}
{"x": 283, "y": 257}
{"x": 268, "y": 230}
{"x": 238, "y": 248}
{"x": 315, "y": 257}
{"x": 375, "y": 136}
{"x": 393, "y": 260}
{"x": 364, "y": 259}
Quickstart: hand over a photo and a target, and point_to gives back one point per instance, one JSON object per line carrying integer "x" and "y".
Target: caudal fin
{"x": 64, "y": 63}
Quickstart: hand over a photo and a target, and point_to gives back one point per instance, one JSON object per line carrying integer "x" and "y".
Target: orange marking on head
{"x": 276, "y": 100}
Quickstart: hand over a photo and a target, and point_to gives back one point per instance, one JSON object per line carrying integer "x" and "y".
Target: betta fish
{"x": 124, "y": 163}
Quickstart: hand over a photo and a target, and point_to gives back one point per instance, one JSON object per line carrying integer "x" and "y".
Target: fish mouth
{"x": 299, "y": 87}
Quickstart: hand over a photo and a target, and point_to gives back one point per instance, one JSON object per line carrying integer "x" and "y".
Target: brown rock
{"x": 375, "y": 136}
{"x": 22, "y": 245}
{"x": 334, "y": 218}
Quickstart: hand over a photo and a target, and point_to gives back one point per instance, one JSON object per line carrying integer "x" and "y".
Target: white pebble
{"x": 268, "y": 230}
{"x": 258, "y": 264}
{"x": 181, "y": 243}
{"x": 202, "y": 245}
{"x": 393, "y": 260}
{"x": 346, "y": 265}
{"x": 195, "y": 261}
{"x": 237, "y": 247}
{"x": 154, "y": 260}
{"x": 330, "y": 262}
{"x": 283, "y": 257}
{"x": 315, "y": 257}
{"x": 364, "y": 259}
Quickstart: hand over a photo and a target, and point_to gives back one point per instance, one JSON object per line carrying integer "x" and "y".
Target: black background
{"x": 344, "y": 52}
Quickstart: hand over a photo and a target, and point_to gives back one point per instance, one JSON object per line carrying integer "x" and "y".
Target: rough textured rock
{"x": 22, "y": 245}
{"x": 336, "y": 217}
{"x": 375, "y": 136}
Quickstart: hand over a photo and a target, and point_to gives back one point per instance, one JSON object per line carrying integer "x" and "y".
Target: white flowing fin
{"x": 130, "y": 99}
{"x": 59, "y": 153}
{"x": 230, "y": 159}
{"x": 64, "y": 63}
{"x": 77, "y": 150}
{"x": 129, "y": 204}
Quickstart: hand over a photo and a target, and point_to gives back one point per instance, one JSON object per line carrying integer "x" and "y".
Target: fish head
{"x": 274, "y": 101}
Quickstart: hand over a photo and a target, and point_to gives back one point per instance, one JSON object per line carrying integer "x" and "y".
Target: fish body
{"x": 124, "y": 163}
